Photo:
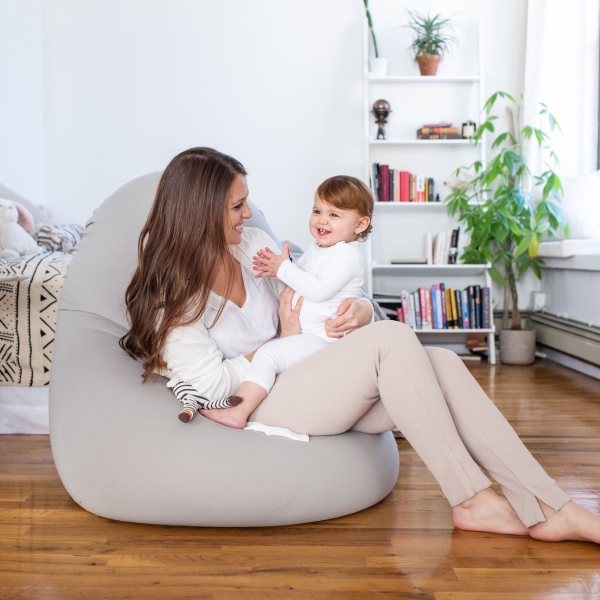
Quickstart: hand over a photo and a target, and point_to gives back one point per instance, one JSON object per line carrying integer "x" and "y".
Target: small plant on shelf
{"x": 507, "y": 208}
{"x": 433, "y": 38}
{"x": 378, "y": 65}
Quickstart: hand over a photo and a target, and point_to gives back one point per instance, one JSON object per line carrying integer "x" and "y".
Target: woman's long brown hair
{"x": 180, "y": 250}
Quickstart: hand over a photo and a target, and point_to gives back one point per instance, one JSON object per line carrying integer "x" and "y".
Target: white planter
{"x": 379, "y": 67}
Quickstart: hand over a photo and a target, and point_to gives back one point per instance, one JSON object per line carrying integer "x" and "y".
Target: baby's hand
{"x": 268, "y": 263}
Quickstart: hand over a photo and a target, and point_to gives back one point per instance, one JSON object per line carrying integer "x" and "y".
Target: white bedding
{"x": 24, "y": 409}
{"x": 568, "y": 248}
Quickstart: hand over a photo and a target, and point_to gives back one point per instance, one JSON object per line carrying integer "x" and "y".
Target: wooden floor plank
{"x": 403, "y": 547}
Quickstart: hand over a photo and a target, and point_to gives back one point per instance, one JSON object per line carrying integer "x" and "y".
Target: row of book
{"x": 439, "y": 133}
{"x": 394, "y": 185}
{"x": 446, "y": 308}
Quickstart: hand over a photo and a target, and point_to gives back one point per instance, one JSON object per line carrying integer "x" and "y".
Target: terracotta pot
{"x": 517, "y": 346}
{"x": 428, "y": 63}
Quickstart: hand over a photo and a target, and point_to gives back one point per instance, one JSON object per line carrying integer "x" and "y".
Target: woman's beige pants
{"x": 381, "y": 377}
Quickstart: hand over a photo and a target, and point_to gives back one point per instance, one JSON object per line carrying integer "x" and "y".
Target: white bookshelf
{"x": 400, "y": 228}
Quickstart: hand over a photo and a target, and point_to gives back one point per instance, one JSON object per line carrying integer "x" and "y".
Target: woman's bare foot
{"x": 235, "y": 417}
{"x": 488, "y": 511}
{"x": 571, "y": 522}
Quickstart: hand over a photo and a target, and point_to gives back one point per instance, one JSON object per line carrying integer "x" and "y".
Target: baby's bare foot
{"x": 235, "y": 417}
{"x": 490, "y": 512}
{"x": 571, "y": 522}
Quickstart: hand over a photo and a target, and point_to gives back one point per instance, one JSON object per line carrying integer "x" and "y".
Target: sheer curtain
{"x": 561, "y": 70}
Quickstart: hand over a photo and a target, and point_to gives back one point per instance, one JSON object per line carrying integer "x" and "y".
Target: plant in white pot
{"x": 506, "y": 209}
{"x": 433, "y": 38}
{"x": 379, "y": 65}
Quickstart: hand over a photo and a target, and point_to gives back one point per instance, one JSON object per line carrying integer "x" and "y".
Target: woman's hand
{"x": 288, "y": 316}
{"x": 268, "y": 263}
{"x": 352, "y": 314}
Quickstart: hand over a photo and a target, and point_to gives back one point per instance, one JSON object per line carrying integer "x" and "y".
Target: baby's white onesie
{"x": 324, "y": 277}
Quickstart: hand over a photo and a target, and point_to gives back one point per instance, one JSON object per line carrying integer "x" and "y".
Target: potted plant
{"x": 433, "y": 37}
{"x": 379, "y": 66}
{"x": 506, "y": 209}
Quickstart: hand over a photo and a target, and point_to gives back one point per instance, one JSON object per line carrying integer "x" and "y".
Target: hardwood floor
{"x": 404, "y": 547}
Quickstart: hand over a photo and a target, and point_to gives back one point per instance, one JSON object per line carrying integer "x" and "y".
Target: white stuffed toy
{"x": 16, "y": 223}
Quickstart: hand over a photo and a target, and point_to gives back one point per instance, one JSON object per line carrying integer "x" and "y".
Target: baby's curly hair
{"x": 348, "y": 193}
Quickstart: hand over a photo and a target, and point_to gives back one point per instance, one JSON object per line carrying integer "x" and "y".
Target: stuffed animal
{"x": 16, "y": 223}
{"x": 192, "y": 401}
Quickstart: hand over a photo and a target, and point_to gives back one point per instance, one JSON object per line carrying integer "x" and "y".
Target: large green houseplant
{"x": 433, "y": 37}
{"x": 506, "y": 208}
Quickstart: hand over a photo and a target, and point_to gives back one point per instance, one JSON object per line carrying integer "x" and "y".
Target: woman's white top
{"x": 324, "y": 277}
{"x": 212, "y": 358}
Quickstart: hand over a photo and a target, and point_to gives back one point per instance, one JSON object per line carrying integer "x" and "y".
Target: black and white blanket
{"x": 30, "y": 289}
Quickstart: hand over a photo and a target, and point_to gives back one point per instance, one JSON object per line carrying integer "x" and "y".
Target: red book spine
{"x": 404, "y": 186}
{"x": 400, "y": 312}
{"x": 385, "y": 182}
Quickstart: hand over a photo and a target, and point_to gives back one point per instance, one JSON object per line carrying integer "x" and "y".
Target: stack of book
{"x": 438, "y": 131}
{"x": 445, "y": 248}
{"x": 446, "y": 308}
{"x": 394, "y": 185}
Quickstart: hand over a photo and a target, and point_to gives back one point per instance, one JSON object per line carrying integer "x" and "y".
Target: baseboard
{"x": 569, "y": 337}
{"x": 571, "y": 362}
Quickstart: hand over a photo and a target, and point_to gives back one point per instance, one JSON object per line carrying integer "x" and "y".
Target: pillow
{"x": 581, "y": 205}
{"x": 62, "y": 238}
{"x": 39, "y": 214}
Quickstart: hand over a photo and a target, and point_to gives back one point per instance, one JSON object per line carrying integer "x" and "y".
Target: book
{"x": 439, "y": 299}
{"x": 449, "y": 309}
{"x": 430, "y": 190}
{"x": 408, "y": 261}
{"x": 453, "y": 247}
{"x": 477, "y": 306}
{"x": 429, "y": 305}
{"x": 412, "y": 309}
{"x": 472, "y": 318}
{"x": 416, "y": 305}
{"x": 439, "y": 250}
{"x": 391, "y": 185}
{"x": 423, "y": 306}
{"x": 375, "y": 181}
{"x": 406, "y": 308}
{"x": 384, "y": 173}
{"x": 420, "y": 188}
{"x": 439, "y": 130}
{"x": 465, "y": 309}
{"x": 444, "y": 309}
{"x": 459, "y": 315}
{"x": 434, "y": 307}
{"x": 429, "y": 248}
{"x": 440, "y": 124}
{"x": 454, "y": 309}
{"x": 400, "y": 313}
{"x": 439, "y": 136}
{"x": 485, "y": 308}
{"x": 404, "y": 186}
{"x": 396, "y": 195}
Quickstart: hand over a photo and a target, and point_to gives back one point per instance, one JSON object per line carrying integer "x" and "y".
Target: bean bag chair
{"x": 121, "y": 451}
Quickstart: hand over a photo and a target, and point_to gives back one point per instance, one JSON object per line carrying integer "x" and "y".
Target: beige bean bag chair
{"x": 122, "y": 453}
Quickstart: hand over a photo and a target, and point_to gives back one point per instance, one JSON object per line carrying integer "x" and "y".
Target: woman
{"x": 195, "y": 305}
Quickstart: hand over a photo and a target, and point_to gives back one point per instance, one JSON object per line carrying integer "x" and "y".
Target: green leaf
{"x": 523, "y": 245}
{"x": 497, "y": 276}
{"x": 487, "y": 107}
{"x": 533, "y": 246}
{"x": 542, "y": 227}
{"x": 536, "y": 269}
{"x": 499, "y": 139}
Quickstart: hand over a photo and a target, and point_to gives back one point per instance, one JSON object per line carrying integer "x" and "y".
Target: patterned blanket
{"x": 30, "y": 289}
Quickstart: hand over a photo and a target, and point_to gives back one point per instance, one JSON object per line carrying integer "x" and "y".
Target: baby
{"x": 328, "y": 273}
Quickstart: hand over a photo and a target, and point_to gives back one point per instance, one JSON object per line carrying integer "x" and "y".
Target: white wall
{"x": 129, "y": 84}
{"x": 109, "y": 90}
{"x": 21, "y": 97}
